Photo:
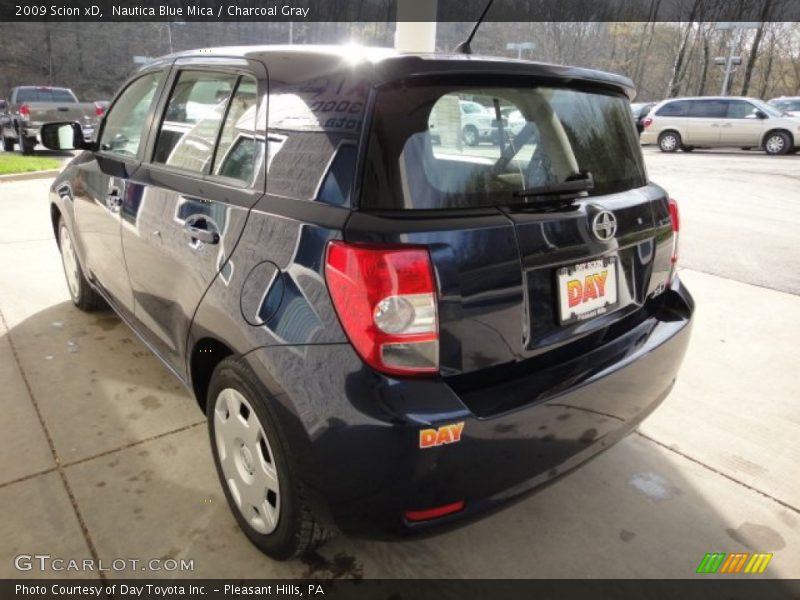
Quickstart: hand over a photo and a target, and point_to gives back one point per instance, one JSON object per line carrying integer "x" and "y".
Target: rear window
{"x": 440, "y": 147}
{"x": 45, "y": 95}
{"x": 787, "y": 105}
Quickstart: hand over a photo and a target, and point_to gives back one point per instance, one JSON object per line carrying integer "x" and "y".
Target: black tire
{"x": 26, "y": 144}
{"x": 8, "y": 144}
{"x": 669, "y": 141}
{"x": 470, "y": 135}
{"x": 83, "y": 295}
{"x": 777, "y": 143}
{"x": 297, "y": 530}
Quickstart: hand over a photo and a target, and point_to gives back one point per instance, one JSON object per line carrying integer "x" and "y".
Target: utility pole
{"x": 731, "y": 62}
{"x": 733, "y": 42}
{"x": 169, "y": 37}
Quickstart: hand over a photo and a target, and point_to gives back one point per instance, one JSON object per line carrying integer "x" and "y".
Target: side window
{"x": 192, "y": 119}
{"x": 674, "y": 109}
{"x": 739, "y": 109}
{"x": 239, "y": 150}
{"x": 125, "y": 123}
{"x": 709, "y": 109}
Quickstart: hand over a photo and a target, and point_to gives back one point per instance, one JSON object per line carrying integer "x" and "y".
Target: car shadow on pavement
{"x": 133, "y": 448}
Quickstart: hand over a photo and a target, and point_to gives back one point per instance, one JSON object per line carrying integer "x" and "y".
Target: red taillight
{"x": 385, "y": 297}
{"x": 24, "y": 111}
{"x": 99, "y": 111}
{"x": 647, "y": 122}
{"x": 434, "y": 513}
{"x": 674, "y": 217}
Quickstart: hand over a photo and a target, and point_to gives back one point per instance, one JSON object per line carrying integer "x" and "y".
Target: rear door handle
{"x": 201, "y": 229}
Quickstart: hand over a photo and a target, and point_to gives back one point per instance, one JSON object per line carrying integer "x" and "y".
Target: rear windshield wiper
{"x": 574, "y": 184}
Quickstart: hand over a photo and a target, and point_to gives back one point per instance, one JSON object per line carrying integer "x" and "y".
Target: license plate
{"x": 587, "y": 289}
{"x": 88, "y": 131}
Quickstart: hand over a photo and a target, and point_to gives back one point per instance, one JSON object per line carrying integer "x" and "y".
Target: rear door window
{"x": 192, "y": 120}
{"x": 422, "y": 154}
{"x": 239, "y": 150}
{"x": 709, "y": 109}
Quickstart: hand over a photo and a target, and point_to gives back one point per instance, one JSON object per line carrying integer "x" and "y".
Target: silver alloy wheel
{"x": 247, "y": 461}
{"x": 669, "y": 142}
{"x": 470, "y": 136}
{"x": 70, "y": 262}
{"x": 775, "y": 144}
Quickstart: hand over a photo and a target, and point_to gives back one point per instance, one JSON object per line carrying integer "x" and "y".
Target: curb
{"x": 30, "y": 175}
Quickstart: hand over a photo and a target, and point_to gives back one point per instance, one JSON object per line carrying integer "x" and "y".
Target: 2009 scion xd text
{"x": 387, "y": 326}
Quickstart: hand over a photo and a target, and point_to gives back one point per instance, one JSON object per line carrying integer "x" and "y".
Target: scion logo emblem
{"x": 604, "y": 225}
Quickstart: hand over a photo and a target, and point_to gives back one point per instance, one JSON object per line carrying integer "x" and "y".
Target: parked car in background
{"x": 640, "y": 110}
{"x": 788, "y": 104}
{"x": 384, "y": 334}
{"x": 477, "y": 123}
{"x": 30, "y": 107}
{"x": 515, "y": 122}
{"x": 4, "y": 117}
{"x": 720, "y": 121}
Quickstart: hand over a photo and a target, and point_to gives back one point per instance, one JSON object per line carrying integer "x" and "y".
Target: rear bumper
{"x": 30, "y": 130}
{"x": 648, "y": 136}
{"x": 357, "y": 434}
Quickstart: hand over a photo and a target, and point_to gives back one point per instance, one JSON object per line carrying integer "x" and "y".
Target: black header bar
{"x": 386, "y": 11}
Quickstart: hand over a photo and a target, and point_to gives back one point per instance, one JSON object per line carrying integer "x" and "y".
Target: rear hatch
{"x": 44, "y": 112}
{"x": 47, "y": 105}
{"x": 545, "y": 241}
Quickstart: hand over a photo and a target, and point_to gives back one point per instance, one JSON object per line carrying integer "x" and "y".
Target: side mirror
{"x": 760, "y": 114}
{"x": 63, "y": 136}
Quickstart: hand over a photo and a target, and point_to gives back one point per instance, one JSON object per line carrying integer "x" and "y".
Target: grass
{"x": 16, "y": 163}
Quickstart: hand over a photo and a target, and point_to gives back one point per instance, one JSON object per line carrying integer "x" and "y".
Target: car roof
{"x": 302, "y": 62}
{"x": 42, "y": 87}
{"x": 712, "y": 98}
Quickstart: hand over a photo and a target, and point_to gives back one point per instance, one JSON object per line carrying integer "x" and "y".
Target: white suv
{"x": 724, "y": 121}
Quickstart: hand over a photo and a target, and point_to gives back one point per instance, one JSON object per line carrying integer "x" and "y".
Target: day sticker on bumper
{"x": 446, "y": 434}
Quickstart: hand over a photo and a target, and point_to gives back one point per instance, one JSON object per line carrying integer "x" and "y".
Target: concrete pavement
{"x": 741, "y": 212}
{"x": 105, "y": 456}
